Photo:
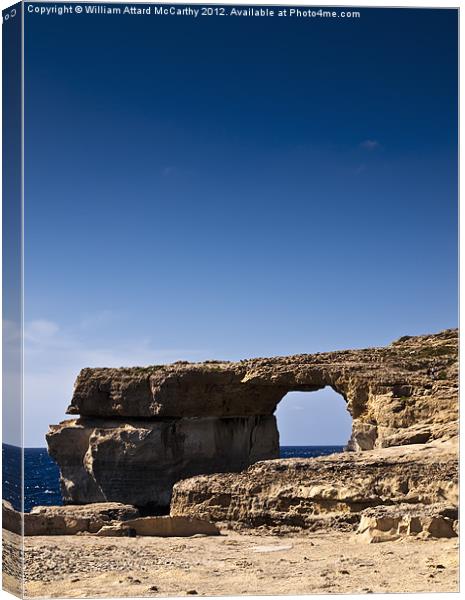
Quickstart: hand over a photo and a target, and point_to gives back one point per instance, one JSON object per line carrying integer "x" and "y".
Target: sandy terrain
{"x": 234, "y": 563}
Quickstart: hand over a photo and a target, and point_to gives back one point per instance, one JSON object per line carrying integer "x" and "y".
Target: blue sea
{"x": 41, "y": 474}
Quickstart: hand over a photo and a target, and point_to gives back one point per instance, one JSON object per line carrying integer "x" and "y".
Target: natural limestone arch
{"x": 139, "y": 430}
{"x": 246, "y": 389}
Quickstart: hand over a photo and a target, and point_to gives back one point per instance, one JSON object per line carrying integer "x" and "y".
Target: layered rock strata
{"x": 143, "y": 429}
{"x": 404, "y": 392}
{"x": 329, "y": 491}
{"x": 106, "y": 519}
{"x": 66, "y": 520}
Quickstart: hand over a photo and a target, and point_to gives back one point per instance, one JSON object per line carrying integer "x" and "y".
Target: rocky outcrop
{"x": 138, "y": 462}
{"x": 106, "y": 519}
{"x": 143, "y": 429}
{"x": 66, "y": 520}
{"x": 167, "y": 526}
{"x": 325, "y": 491}
{"x": 390, "y": 523}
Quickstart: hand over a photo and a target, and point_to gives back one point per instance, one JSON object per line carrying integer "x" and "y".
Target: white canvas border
{"x": 323, "y": 3}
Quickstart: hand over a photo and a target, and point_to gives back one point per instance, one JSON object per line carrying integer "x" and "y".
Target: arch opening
{"x": 312, "y": 423}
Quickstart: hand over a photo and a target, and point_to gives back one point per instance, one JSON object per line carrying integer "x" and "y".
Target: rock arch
{"x": 142, "y": 429}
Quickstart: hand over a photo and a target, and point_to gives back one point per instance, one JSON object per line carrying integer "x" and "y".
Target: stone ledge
{"x": 163, "y": 527}
{"x": 306, "y": 493}
{"x": 66, "y": 520}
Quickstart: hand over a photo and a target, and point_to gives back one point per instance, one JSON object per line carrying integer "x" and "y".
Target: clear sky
{"x": 223, "y": 188}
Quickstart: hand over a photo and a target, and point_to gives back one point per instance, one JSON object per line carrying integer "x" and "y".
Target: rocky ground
{"x": 234, "y": 564}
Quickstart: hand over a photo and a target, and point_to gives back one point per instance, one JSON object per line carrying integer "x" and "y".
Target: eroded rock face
{"x": 143, "y": 429}
{"x": 307, "y": 493}
{"x": 403, "y": 393}
{"x": 138, "y": 462}
{"x": 66, "y": 520}
{"x": 210, "y": 389}
{"x": 393, "y": 522}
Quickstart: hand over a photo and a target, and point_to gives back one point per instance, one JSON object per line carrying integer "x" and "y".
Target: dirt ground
{"x": 232, "y": 564}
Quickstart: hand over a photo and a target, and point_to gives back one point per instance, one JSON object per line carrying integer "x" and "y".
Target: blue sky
{"x": 230, "y": 187}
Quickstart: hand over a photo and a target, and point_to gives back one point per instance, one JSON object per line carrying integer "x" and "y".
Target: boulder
{"x": 172, "y": 526}
{"x": 119, "y": 530}
{"x": 96, "y": 513}
{"x": 390, "y": 523}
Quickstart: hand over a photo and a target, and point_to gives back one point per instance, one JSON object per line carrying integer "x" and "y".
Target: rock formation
{"x": 328, "y": 491}
{"x": 138, "y": 462}
{"x": 390, "y": 523}
{"x": 168, "y": 526}
{"x": 66, "y": 520}
{"x": 141, "y": 430}
{"x": 105, "y": 519}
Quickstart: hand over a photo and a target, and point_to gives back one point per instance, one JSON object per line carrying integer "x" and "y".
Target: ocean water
{"x": 41, "y": 477}
{"x": 308, "y": 451}
{"x": 41, "y": 474}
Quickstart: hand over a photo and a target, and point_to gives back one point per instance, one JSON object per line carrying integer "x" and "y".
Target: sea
{"x": 41, "y": 473}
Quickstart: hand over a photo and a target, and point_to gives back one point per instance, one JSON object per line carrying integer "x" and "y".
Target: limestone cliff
{"x": 138, "y": 462}
{"x": 143, "y": 429}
